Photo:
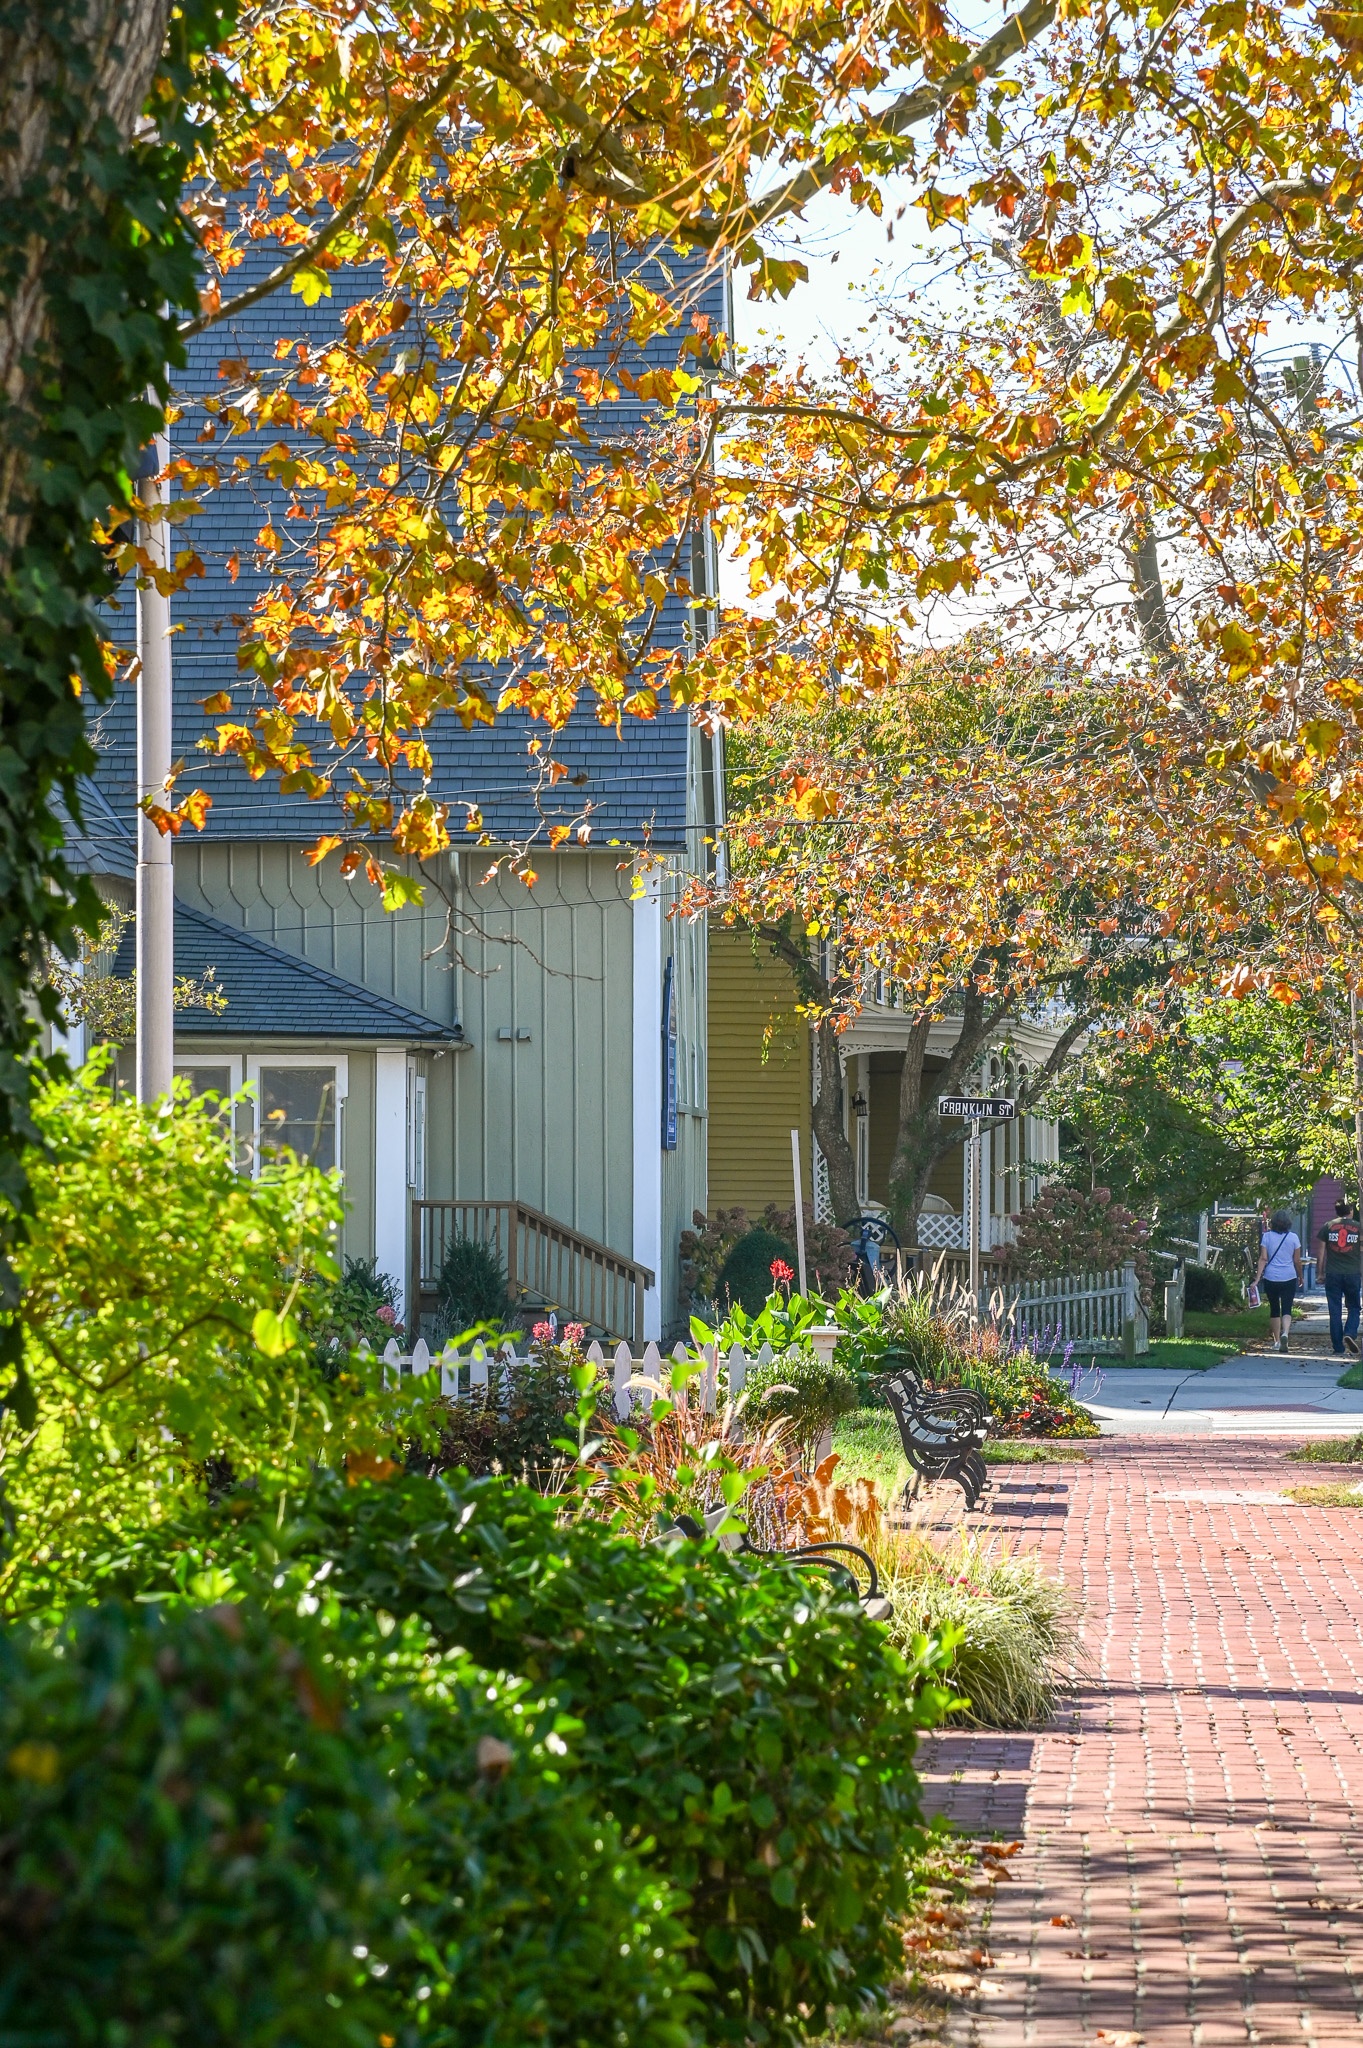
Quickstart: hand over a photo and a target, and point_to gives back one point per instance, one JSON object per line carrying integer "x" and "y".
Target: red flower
{"x": 781, "y": 1273}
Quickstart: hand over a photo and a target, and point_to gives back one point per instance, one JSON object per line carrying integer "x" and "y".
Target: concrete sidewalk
{"x": 1261, "y": 1393}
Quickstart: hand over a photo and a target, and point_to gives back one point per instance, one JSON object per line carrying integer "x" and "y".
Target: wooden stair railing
{"x": 547, "y": 1265}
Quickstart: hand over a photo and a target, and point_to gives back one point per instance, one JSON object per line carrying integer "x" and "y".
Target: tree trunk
{"x": 924, "y": 1137}
{"x": 830, "y": 1124}
{"x": 67, "y": 68}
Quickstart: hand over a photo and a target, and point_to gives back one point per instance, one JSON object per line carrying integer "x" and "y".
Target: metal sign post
{"x": 976, "y": 1110}
{"x": 974, "y": 1233}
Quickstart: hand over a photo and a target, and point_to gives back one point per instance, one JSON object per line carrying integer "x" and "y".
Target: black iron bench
{"x": 942, "y": 1430}
{"x": 830, "y": 1557}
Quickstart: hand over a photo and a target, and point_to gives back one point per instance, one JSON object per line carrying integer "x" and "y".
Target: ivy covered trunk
{"x": 95, "y": 258}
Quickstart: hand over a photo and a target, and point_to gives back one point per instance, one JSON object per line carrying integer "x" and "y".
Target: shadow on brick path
{"x": 1193, "y": 1869}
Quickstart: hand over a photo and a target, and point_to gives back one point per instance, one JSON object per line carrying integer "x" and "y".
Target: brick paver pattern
{"x": 1193, "y": 1821}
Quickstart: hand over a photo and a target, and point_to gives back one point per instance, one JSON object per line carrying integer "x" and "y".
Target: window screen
{"x": 298, "y": 1109}
{"x": 206, "y": 1080}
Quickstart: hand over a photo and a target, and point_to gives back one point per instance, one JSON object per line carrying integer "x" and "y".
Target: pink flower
{"x": 388, "y": 1314}
{"x": 781, "y": 1273}
{"x": 573, "y": 1333}
{"x": 543, "y": 1333}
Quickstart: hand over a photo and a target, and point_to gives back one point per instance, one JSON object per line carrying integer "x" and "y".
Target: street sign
{"x": 977, "y": 1108}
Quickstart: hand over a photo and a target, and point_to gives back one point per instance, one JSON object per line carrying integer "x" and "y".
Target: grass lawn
{"x": 1352, "y": 1376}
{"x": 1330, "y": 1450}
{"x": 1339, "y": 1495}
{"x": 868, "y": 1447}
{"x": 1237, "y": 1324}
{"x": 1187, "y": 1354}
{"x": 1182, "y": 1354}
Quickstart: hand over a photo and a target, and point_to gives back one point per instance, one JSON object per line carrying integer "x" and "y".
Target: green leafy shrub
{"x": 781, "y": 1321}
{"x": 749, "y": 1730}
{"x": 1079, "y": 1230}
{"x": 472, "y": 1287}
{"x": 809, "y": 1392}
{"x": 518, "y": 1424}
{"x": 1204, "y": 1288}
{"x": 189, "y": 1852}
{"x": 829, "y": 1258}
{"x": 206, "y": 1841}
{"x": 337, "y": 1316}
{"x": 161, "y": 1340}
{"x": 865, "y": 1335}
{"x": 745, "y": 1277}
{"x": 705, "y": 1247}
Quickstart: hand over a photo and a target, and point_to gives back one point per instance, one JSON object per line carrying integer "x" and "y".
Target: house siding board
{"x": 272, "y": 890}
{"x": 754, "y": 1103}
{"x": 545, "y": 1120}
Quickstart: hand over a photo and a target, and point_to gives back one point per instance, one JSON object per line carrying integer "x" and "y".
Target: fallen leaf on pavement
{"x": 1063, "y": 1920}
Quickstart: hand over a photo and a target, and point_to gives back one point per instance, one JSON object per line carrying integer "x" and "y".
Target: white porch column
{"x": 391, "y": 1204}
{"x": 648, "y": 1093}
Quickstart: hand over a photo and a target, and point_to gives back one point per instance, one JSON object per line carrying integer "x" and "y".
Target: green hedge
{"x": 751, "y": 1733}
{"x": 215, "y": 1834}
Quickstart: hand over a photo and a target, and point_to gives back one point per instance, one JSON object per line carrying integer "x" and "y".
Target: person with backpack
{"x": 1340, "y": 1238}
{"x": 1280, "y": 1270}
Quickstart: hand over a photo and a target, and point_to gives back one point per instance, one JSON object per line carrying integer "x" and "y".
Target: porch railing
{"x": 547, "y": 1265}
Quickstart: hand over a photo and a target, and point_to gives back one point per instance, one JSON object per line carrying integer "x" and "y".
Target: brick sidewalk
{"x": 1193, "y": 1819}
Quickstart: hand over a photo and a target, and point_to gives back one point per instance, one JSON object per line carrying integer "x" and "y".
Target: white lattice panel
{"x": 939, "y": 1233}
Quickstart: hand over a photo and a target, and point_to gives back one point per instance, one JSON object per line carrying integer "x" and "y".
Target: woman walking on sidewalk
{"x": 1280, "y": 1270}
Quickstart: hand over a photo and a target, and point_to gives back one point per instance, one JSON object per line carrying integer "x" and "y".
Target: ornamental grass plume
{"x": 1015, "y": 1627}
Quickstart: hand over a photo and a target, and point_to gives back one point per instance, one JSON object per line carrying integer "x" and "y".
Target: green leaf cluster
{"x": 159, "y": 1348}
{"x": 750, "y": 1732}
{"x": 119, "y": 259}
{"x": 223, "y": 1830}
{"x": 1245, "y": 1098}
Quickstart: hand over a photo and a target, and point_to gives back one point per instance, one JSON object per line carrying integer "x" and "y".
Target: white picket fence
{"x": 469, "y": 1376}
{"x": 1082, "y": 1308}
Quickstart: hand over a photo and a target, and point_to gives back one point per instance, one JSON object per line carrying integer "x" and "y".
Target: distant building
{"x": 761, "y": 1088}
{"x": 554, "y": 1058}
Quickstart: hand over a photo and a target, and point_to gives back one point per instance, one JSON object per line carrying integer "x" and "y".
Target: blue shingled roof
{"x": 273, "y": 994}
{"x": 637, "y": 783}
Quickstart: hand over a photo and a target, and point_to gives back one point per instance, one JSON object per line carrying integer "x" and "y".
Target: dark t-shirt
{"x": 1341, "y": 1258}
